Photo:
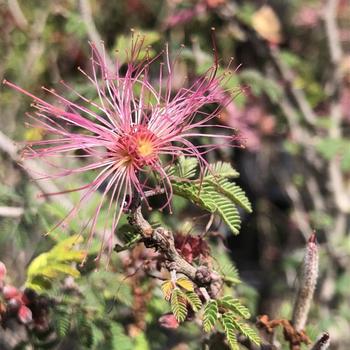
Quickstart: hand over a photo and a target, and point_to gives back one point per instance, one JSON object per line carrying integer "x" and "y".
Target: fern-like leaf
{"x": 233, "y": 192}
{"x": 187, "y": 167}
{"x": 226, "y": 209}
{"x": 185, "y": 283}
{"x": 167, "y": 288}
{"x": 178, "y": 305}
{"x": 221, "y": 169}
{"x": 229, "y": 328}
{"x": 213, "y": 192}
{"x": 57, "y": 261}
{"x": 234, "y": 305}
{"x": 62, "y": 323}
{"x": 210, "y": 315}
{"x": 194, "y": 301}
{"x": 246, "y": 330}
{"x": 192, "y": 192}
{"x": 119, "y": 340}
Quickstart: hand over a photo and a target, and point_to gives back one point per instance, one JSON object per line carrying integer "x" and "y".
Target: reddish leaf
{"x": 168, "y": 321}
{"x": 191, "y": 247}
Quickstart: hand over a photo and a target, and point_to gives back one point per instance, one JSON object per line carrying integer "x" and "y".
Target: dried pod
{"x": 307, "y": 284}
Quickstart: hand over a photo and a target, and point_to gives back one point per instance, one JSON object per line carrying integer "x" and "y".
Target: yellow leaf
{"x": 33, "y": 134}
{"x": 167, "y": 288}
{"x": 66, "y": 246}
{"x": 267, "y": 24}
{"x": 185, "y": 283}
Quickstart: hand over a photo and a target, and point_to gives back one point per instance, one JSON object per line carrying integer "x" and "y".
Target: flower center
{"x": 139, "y": 147}
{"x": 145, "y": 147}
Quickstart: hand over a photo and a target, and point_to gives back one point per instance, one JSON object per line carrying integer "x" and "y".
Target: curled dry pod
{"x": 307, "y": 284}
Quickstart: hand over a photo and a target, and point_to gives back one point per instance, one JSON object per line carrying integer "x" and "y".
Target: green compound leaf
{"x": 178, "y": 305}
{"x": 213, "y": 192}
{"x": 234, "y": 305}
{"x": 230, "y": 330}
{"x": 185, "y": 167}
{"x": 62, "y": 322}
{"x": 46, "y": 267}
{"x": 226, "y": 209}
{"x": 191, "y": 191}
{"x": 210, "y": 316}
{"x": 119, "y": 340}
{"x": 222, "y": 169}
{"x": 233, "y": 192}
{"x": 193, "y": 300}
{"x": 246, "y": 330}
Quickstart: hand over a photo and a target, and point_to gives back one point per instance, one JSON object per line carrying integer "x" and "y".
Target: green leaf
{"x": 214, "y": 192}
{"x": 330, "y": 147}
{"x": 186, "y": 167}
{"x": 222, "y": 169}
{"x": 193, "y": 300}
{"x": 210, "y": 315}
{"x": 261, "y": 85}
{"x": 58, "y": 261}
{"x": 226, "y": 209}
{"x": 224, "y": 265}
{"x": 246, "y": 330}
{"x": 229, "y": 328}
{"x": 234, "y": 305}
{"x": 119, "y": 340}
{"x": 233, "y": 192}
{"x": 62, "y": 322}
{"x": 97, "y": 336}
{"x": 192, "y": 192}
{"x": 178, "y": 305}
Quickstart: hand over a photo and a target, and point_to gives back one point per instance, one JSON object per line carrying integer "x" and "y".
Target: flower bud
{"x": 25, "y": 314}
{"x": 10, "y": 292}
{"x": 2, "y": 270}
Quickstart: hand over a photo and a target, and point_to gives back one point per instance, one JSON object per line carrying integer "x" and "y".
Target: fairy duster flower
{"x": 131, "y": 132}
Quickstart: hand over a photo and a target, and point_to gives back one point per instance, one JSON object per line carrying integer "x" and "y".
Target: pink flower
{"x": 132, "y": 134}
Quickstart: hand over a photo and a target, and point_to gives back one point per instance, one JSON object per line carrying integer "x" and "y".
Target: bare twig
{"x": 337, "y": 182}
{"x": 86, "y": 15}
{"x": 298, "y": 94}
{"x": 162, "y": 240}
{"x": 330, "y": 15}
{"x": 31, "y": 168}
{"x": 11, "y": 212}
{"x": 17, "y": 14}
{"x": 322, "y": 343}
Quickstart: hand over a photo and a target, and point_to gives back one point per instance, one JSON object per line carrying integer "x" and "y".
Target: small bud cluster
{"x": 25, "y": 306}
